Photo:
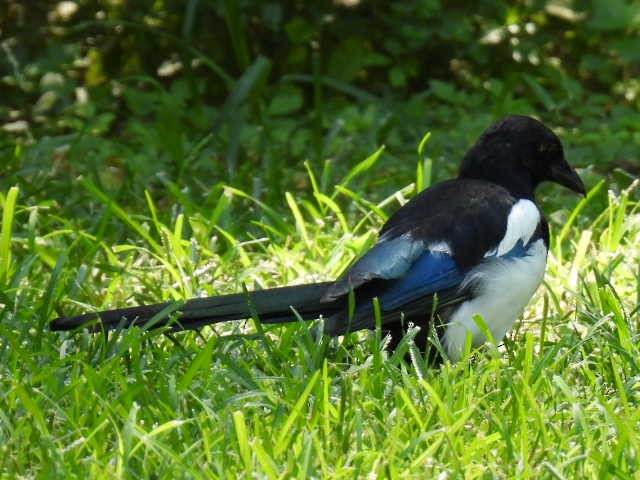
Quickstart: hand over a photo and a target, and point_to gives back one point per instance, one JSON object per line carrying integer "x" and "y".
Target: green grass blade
{"x": 242, "y": 437}
{"x": 362, "y": 167}
{"x": 300, "y": 223}
{"x": 8, "y": 216}
{"x": 124, "y": 216}
{"x": 284, "y": 436}
{"x": 235, "y": 25}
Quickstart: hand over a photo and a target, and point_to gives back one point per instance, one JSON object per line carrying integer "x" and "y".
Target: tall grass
{"x": 558, "y": 399}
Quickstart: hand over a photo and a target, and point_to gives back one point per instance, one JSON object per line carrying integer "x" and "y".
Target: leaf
{"x": 199, "y": 364}
{"x": 362, "y": 167}
{"x": 248, "y": 84}
{"x": 286, "y": 100}
{"x": 8, "y": 211}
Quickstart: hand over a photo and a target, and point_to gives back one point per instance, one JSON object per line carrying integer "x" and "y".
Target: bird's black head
{"x": 518, "y": 153}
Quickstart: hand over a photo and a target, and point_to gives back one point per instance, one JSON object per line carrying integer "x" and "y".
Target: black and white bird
{"x": 473, "y": 245}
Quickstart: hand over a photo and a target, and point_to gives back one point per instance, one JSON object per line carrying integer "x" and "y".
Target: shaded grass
{"x": 558, "y": 400}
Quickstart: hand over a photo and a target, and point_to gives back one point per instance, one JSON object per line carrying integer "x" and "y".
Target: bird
{"x": 470, "y": 247}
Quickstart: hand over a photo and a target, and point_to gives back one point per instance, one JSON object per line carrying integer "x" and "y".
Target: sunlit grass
{"x": 558, "y": 400}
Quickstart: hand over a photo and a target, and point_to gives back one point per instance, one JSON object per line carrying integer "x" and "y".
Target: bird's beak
{"x": 567, "y": 177}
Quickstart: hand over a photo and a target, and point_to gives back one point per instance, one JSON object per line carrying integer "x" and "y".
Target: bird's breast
{"x": 502, "y": 287}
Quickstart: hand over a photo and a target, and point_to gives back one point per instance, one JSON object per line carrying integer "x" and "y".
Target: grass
{"x": 134, "y": 188}
{"x": 559, "y": 399}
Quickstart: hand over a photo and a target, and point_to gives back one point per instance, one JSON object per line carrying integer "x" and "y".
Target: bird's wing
{"x": 429, "y": 245}
{"x": 449, "y": 226}
{"x": 431, "y": 272}
{"x": 403, "y": 275}
{"x": 390, "y": 258}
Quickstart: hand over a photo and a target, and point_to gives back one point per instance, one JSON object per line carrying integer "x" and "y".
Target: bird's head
{"x": 519, "y": 153}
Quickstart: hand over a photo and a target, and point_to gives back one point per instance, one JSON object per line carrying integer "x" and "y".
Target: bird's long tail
{"x": 275, "y": 305}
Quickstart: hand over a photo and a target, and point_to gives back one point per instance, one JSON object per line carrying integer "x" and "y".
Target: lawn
{"x": 558, "y": 399}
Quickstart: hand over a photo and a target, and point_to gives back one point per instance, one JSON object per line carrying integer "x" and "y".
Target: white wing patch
{"x": 522, "y": 223}
{"x": 442, "y": 247}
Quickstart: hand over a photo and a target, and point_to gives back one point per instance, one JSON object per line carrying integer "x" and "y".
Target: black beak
{"x": 567, "y": 177}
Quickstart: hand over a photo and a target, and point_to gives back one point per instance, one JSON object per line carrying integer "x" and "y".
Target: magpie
{"x": 471, "y": 246}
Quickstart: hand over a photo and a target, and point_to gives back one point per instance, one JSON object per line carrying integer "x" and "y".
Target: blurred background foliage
{"x": 184, "y": 97}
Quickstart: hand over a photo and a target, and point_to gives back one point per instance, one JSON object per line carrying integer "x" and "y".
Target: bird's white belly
{"x": 504, "y": 286}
